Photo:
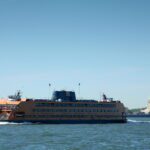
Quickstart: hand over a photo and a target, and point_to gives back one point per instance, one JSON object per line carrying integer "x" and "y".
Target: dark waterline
{"x": 134, "y": 135}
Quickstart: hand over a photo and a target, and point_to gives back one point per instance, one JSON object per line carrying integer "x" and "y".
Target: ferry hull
{"x": 70, "y": 121}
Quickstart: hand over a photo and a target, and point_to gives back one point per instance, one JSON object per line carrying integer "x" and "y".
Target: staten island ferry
{"x": 63, "y": 108}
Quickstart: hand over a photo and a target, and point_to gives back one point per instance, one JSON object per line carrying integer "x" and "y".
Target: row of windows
{"x": 74, "y": 110}
{"x": 69, "y": 116}
{"x": 7, "y": 106}
{"x": 73, "y": 105}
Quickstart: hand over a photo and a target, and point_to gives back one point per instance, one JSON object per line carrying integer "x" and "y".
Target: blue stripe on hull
{"x": 72, "y": 121}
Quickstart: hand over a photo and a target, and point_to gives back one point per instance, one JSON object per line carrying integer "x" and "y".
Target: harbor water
{"x": 134, "y": 135}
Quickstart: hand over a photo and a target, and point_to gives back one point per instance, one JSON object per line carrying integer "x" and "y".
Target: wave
{"x": 138, "y": 121}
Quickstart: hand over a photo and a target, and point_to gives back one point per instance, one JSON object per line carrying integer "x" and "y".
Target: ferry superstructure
{"x": 63, "y": 108}
{"x": 9, "y": 104}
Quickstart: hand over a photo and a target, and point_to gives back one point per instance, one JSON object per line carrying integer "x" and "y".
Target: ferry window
{"x": 62, "y": 105}
{"x": 52, "y": 104}
{"x": 74, "y": 105}
{"x": 34, "y": 110}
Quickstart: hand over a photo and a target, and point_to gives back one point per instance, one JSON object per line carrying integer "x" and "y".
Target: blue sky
{"x": 103, "y": 44}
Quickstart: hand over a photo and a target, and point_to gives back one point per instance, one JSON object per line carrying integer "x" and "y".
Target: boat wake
{"x": 28, "y": 123}
{"x": 137, "y": 121}
{"x": 14, "y": 123}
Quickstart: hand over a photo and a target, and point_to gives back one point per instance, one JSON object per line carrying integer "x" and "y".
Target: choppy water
{"x": 135, "y": 135}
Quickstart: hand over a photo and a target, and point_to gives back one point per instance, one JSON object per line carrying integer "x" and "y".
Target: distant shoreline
{"x": 138, "y": 115}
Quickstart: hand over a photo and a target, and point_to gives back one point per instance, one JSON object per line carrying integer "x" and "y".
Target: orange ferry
{"x": 63, "y": 108}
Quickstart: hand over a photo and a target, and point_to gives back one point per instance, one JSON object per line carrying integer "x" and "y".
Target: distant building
{"x": 147, "y": 110}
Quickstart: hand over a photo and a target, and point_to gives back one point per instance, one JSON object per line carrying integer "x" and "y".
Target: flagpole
{"x": 79, "y": 90}
{"x": 50, "y": 90}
